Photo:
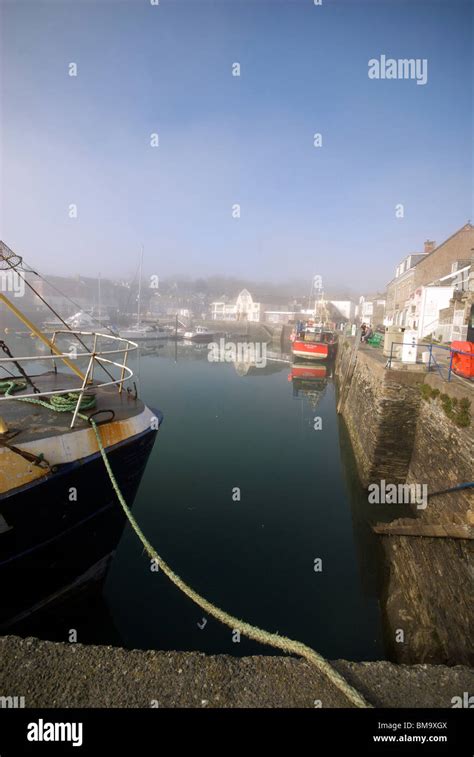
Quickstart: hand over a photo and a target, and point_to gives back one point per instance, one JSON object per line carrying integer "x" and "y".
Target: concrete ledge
{"x": 402, "y": 527}
{"x": 49, "y": 674}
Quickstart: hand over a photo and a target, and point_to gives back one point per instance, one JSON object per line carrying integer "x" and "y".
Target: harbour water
{"x": 253, "y": 502}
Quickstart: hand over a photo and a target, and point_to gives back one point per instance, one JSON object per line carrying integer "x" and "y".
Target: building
{"x": 243, "y": 308}
{"x": 371, "y": 309}
{"x": 400, "y": 288}
{"x": 431, "y": 292}
{"x": 425, "y": 305}
{"x": 344, "y": 310}
{"x": 280, "y": 316}
{"x": 450, "y": 256}
{"x": 456, "y": 320}
{"x": 331, "y": 311}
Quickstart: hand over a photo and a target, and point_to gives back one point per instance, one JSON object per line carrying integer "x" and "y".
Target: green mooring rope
{"x": 252, "y": 632}
{"x": 10, "y": 386}
{"x": 60, "y": 403}
{"x": 67, "y": 403}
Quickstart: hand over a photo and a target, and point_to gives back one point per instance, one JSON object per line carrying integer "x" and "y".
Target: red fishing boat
{"x": 315, "y": 339}
{"x": 313, "y": 342}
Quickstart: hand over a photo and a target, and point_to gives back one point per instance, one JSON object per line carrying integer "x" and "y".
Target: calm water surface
{"x": 300, "y": 500}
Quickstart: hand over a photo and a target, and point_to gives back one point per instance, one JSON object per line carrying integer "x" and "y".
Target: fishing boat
{"x": 60, "y": 518}
{"x": 200, "y": 334}
{"x": 312, "y": 341}
{"x": 315, "y": 338}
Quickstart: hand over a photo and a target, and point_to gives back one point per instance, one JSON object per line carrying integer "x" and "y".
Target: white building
{"x": 243, "y": 308}
{"x": 424, "y": 307}
{"x": 371, "y": 310}
{"x": 427, "y": 302}
{"x": 280, "y": 316}
{"x": 346, "y": 308}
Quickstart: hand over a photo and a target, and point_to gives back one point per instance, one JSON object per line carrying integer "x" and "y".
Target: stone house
{"x": 430, "y": 291}
{"x": 402, "y": 286}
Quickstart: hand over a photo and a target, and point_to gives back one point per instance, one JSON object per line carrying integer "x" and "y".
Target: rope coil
{"x": 60, "y": 403}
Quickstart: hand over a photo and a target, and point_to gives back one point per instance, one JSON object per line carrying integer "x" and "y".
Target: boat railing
{"x": 97, "y": 356}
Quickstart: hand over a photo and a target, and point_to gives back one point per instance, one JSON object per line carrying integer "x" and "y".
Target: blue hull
{"x": 53, "y": 545}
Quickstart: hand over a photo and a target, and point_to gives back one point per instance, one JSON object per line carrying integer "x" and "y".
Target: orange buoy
{"x": 463, "y": 365}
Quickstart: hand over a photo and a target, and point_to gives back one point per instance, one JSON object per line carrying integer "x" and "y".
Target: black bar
{"x": 155, "y": 731}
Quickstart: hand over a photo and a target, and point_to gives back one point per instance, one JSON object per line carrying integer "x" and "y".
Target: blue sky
{"x": 225, "y": 140}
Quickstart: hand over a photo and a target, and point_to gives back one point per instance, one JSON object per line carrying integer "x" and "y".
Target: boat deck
{"x": 27, "y": 422}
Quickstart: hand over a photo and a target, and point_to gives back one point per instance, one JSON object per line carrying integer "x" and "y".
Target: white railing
{"x": 94, "y": 356}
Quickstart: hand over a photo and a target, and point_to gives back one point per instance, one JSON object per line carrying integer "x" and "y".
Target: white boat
{"x": 80, "y": 321}
{"x": 139, "y": 333}
{"x": 52, "y": 325}
{"x": 200, "y": 334}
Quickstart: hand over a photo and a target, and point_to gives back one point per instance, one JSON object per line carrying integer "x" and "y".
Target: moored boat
{"x": 313, "y": 342}
{"x": 60, "y": 519}
{"x": 145, "y": 333}
{"x": 200, "y": 334}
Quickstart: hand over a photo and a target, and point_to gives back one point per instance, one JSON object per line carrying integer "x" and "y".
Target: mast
{"x": 320, "y": 310}
{"x": 99, "y": 296}
{"x": 139, "y": 288}
{"x": 310, "y": 294}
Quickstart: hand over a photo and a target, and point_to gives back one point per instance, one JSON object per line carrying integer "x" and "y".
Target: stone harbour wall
{"x": 443, "y": 455}
{"x": 401, "y": 433}
{"x": 426, "y": 600}
{"x": 380, "y": 411}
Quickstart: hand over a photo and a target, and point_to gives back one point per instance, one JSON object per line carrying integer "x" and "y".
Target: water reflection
{"x": 252, "y": 425}
{"x": 237, "y": 424}
{"x": 310, "y": 380}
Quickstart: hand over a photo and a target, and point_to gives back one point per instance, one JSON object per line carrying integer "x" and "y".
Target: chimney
{"x": 429, "y": 245}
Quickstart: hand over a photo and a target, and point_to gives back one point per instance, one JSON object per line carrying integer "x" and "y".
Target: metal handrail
{"x": 432, "y": 358}
{"x": 96, "y": 355}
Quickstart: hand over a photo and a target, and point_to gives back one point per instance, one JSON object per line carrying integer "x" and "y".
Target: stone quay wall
{"x": 400, "y": 431}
